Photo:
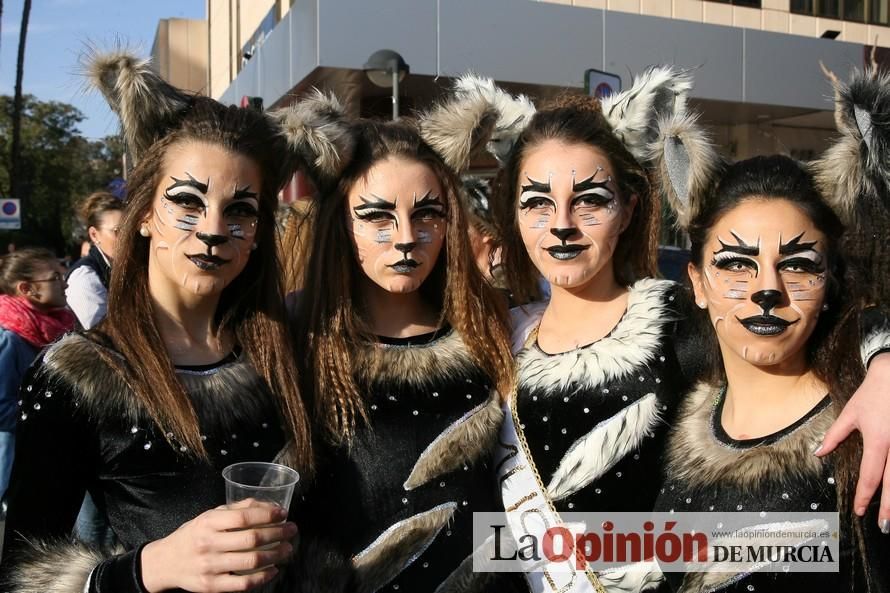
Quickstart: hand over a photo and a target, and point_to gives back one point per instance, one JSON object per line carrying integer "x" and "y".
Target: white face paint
{"x": 204, "y": 218}
{"x": 569, "y": 213}
{"x": 764, "y": 280}
{"x": 397, "y": 218}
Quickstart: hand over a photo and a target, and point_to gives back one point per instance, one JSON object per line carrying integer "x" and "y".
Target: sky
{"x": 57, "y": 31}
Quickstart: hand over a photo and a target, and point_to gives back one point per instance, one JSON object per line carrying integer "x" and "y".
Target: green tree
{"x": 57, "y": 168}
{"x": 18, "y": 103}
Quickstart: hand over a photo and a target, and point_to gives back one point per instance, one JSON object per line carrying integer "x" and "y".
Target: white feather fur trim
{"x": 631, "y": 344}
{"x": 876, "y": 340}
{"x": 605, "y": 445}
{"x": 634, "y": 578}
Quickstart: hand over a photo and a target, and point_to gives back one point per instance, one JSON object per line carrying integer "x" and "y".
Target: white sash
{"x": 530, "y": 512}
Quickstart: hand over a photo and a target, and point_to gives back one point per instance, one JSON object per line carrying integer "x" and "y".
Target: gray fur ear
{"x": 659, "y": 92}
{"x": 684, "y": 164}
{"x": 317, "y": 130}
{"x": 513, "y": 113}
{"x": 462, "y": 124}
{"x": 147, "y": 106}
{"x": 857, "y": 166}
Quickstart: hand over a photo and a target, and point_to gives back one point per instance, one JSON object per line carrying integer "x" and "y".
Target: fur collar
{"x": 224, "y": 398}
{"x": 54, "y": 567}
{"x": 630, "y": 345}
{"x": 419, "y": 365}
{"x": 696, "y": 456}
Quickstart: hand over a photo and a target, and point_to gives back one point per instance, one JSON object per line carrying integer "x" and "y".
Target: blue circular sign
{"x": 602, "y": 90}
{"x": 9, "y": 208}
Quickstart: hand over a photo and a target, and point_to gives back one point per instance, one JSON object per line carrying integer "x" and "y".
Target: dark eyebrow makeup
{"x": 427, "y": 200}
{"x": 377, "y": 203}
{"x": 244, "y": 193}
{"x": 795, "y": 246}
{"x": 742, "y": 248}
{"x": 536, "y": 186}
{"x": 190, "y": 182}
{"x": 591, "y": 183}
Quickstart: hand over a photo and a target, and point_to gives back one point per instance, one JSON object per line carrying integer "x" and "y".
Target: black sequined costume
{"x": 400, "y": 499}
{"x": 80, "y": 429}
{"x": 709, "y": 471}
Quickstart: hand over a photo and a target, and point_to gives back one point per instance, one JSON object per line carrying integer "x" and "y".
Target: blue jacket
{"x": 16, "y": 355}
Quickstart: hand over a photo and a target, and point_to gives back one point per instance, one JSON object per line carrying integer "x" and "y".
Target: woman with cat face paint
{"x": 602, "y": 366}
{"x": 405, "y": 351}
{"x": 190, "y": 372}
{"x": 769, "y": 279}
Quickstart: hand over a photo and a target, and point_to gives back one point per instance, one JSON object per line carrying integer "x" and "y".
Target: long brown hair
{"x": 833, "y": 348}
{"x": 251, "y": 307}
{"x": 22, "y": 265}
{"x": 330, "y": 320}
{"x": 91, "y": 209}
{"x": 578, "y": 120}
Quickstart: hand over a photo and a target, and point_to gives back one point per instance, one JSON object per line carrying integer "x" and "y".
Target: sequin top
{"x": 80, "y": 429}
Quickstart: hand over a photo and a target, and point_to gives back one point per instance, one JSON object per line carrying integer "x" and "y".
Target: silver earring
{"x": 825, "y": 307}
{"x": 253, "y": 247}
{"x": 143, "y": 230}
{"x": 702, "y": 305}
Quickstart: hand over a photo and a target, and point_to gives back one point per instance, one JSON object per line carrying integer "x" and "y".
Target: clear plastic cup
{"x": 261, "y": 481}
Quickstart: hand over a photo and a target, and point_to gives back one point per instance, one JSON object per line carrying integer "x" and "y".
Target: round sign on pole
{"x": 9, "y": 208}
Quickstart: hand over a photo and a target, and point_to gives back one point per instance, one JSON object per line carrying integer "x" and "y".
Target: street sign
{"x": 601, "y": 84}
{"x": 10, "y": 214}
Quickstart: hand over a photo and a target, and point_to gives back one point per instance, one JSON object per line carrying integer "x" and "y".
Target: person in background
{"x": 32, "y": 315}
{"x": 87, "y": 291}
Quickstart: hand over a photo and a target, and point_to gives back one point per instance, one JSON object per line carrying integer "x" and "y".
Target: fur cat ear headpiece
{"x": 653, "y": 121}
{"x": 476, "y": 114}
{"x": 148, "y": 107}
{"x": 854, "y": 173}
{"x": 317, "y": 130}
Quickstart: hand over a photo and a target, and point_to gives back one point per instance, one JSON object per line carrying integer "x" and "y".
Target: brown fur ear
{"x": 147, "y": 106}
{"x": 459, "y": 126}
{"x": 317, "y": 130}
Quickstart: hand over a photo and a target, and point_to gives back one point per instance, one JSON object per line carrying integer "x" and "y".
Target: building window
{"x": 880, "y": 12}
{"x": 749, "y": 3}
{"x": 861, "y": 11}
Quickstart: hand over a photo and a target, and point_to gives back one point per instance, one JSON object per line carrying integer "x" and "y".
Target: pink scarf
{"x": 35, "y": 326}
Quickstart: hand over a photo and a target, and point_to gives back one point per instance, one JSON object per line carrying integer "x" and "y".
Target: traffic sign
{"x": 10, "y": 214}
{"x": 601, "y": 84}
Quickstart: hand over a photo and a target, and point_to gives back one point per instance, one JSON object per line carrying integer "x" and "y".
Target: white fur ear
{"x": 684, "y": 164}
{"x": 317, "y": 130}
{"x": 147, "y": 105}
{"x": 857, "y": 166}
{"x": 659, "y": 92}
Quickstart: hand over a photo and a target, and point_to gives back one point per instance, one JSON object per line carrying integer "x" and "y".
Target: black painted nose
{"x": 212, "y": 240}
{"x": 405, "y": 248}
{"x": 563, "y": 234}
{"x": 767, "y": 299}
